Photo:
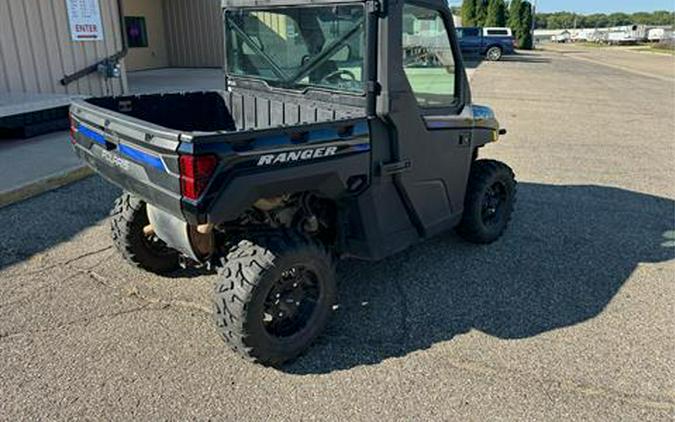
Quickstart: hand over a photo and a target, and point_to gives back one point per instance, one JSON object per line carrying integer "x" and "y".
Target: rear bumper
{"x": 138, "y": 157}
{"x": 130, "y": 176}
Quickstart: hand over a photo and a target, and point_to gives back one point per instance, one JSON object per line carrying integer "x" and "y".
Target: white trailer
{"x": 583, "y": 35}
{"x": 621, "y": 38}
{"x": 563, "y": 37}
{"x": 659, "y": 34}
{"x": 631, "y": 34}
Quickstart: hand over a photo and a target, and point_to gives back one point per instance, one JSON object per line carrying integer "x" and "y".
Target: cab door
{"x": 427, "y": 109}
{"x": 470, "y": 41}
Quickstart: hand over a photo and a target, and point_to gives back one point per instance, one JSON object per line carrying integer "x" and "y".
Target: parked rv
{"x": 599, "y": 36}
{"x": 659, "y": 34}
{"x": 583, "y": 35}
{"x": 627, "y": 35}
{"x": 621, "y": 38}
{"x": 563, "y": 37}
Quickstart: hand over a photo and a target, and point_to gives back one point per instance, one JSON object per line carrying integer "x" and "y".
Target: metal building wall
{"x": 194, "y": 30}
{"x": 36, "y": 50}
{"x": 155, "y": 55}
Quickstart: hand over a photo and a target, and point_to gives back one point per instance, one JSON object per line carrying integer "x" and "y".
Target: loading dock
{"x": 44, "y": 64}
{"x": 37, "y": 50}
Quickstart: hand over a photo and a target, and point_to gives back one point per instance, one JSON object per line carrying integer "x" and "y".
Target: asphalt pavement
{"x": 569, "y": 317}
{"x": 640, "y": 60}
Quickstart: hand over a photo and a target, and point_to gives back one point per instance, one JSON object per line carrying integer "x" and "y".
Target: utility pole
{"x": 534, "y": 22}
{"x": 534, "y": 17}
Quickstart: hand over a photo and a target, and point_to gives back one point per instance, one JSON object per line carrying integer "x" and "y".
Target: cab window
{"x": 468, "y": 32}
{"x": 497, "y": 32}
{"x": 428, "y": 60}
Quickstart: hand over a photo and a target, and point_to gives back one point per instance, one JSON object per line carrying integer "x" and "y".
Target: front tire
{"x": 489, "y": 202}
{"x": 274, "y": 296}
{"x": 494, "y": 54}
{"x": 147, "y": 252}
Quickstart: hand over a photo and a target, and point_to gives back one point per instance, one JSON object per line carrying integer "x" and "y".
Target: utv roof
{"x": 228, "y": 4}
{"x": 267, "y": 3}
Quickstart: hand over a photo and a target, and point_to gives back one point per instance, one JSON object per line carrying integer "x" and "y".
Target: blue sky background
{"x": 605, "y": 6}
{"x": 598, "y": 6}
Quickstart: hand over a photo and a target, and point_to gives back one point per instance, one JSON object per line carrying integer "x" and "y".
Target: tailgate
{"x": 137, "y": 156}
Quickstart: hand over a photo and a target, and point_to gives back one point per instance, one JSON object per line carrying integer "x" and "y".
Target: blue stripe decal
{"x": 362, "y": 147}
{"x": 94, "y": 136}
{"x": 438, "y": 125}
{"x": 141, "y": 156}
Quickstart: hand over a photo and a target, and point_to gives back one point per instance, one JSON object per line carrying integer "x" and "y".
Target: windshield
{"x": 299, "y": 47}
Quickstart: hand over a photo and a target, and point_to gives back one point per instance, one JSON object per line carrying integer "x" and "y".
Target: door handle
{"x": 398, "y": 167}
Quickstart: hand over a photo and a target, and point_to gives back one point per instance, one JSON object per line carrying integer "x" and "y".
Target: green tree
{"x": 662, "y": 17}
{"x": 469, "y": 13}
{"x": 514, "y": 15}
{"x": 596, "y": 20}
{"x": 496, "y": 13}
{"x": 525, "y": 28}
{"x": 642, "y": 18}
{"x": 542, "y": 20}
{"x": 620, "y": 19}
{"x": 481, "y": 12}
{"x": 560, "y": 20}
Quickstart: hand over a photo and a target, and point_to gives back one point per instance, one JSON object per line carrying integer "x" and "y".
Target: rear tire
{"x": 274, "y": 296}
{"x": 489, "y": 202}
{"x": 494, "y": 54}
{"x": 128, "y": 219}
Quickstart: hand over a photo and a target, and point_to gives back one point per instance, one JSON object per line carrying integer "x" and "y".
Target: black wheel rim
{"x": 291, "y": 302}
{"x": 494, "y": 201}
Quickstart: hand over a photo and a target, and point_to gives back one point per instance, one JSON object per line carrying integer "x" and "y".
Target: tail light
{"x": 73, "y": 128}
{"x": 195, "y": 173}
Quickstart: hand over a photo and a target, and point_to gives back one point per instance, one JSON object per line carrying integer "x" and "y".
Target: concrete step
{"x": 25, "y": 115}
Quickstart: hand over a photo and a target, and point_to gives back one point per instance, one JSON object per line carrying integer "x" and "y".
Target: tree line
{"x": 568, "y": 20}
{"x": 517, "y": 15}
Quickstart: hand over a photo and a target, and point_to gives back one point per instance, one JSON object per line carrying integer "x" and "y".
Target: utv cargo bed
{"x": 136, "y": 142}
{"x": 222, "y": 111}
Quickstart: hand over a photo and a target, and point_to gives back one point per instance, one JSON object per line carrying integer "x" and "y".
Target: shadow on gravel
{"x": 472, "y": 62}
{"x": 525, "y": 58}
{"x": 567, "y": 253}
{"x": 40, "y": 223}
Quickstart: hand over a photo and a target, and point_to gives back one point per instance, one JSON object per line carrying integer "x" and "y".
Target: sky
{"x": 604, "y": 6}
{"x": 598, "y": 6}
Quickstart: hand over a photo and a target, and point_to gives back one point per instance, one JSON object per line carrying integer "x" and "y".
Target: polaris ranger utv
{"x": 345, "y": 129}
